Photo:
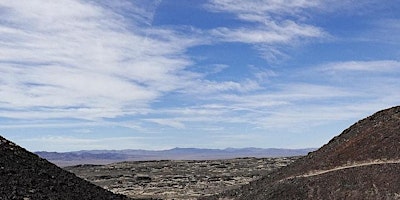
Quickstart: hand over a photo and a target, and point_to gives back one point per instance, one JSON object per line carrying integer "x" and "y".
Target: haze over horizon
{"x": 143, "y": 74}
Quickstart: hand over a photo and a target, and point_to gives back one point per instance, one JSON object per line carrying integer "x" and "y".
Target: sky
{"x": 159, "y": 74}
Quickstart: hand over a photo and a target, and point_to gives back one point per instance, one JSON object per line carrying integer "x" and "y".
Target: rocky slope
{"x": 361, "y": 163}
{"x": 23, "y": 175}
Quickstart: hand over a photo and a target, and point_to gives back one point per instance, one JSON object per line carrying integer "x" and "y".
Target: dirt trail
{"x": 319, "y": 172}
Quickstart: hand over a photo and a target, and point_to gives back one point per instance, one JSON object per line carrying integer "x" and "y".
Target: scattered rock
{"x": 189, "y": 179}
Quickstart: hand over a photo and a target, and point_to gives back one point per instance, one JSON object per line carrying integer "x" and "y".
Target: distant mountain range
{"x": 110, "y": 156}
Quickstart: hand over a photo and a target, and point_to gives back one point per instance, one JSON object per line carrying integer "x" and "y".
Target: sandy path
{"x": 319, "y": 172}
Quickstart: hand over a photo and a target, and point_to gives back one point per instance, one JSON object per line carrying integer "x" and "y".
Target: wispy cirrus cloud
{"x": 382, "y": 31}
{"x": 82, "y": 60}
{"x": 273, "y": 33}
{"x": 339, "y": 93}
{"x": 262, "y": 110}
{"x": 74, "y": 67}
{"x": 375, "y": 81}
{"x": 368, "y": 66}
{"x": 77, "y": 59}
{"x": 70, "y": 143}
{"x": 270, "y": 24}
{"x": 249, "y": 10}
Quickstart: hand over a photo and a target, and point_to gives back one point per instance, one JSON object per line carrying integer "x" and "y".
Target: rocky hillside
{"x": 361, "y": 163}
{"x": 23, "y": 175}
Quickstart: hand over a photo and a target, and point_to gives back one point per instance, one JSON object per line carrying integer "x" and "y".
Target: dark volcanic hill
{"x": 363, "y": 162}
{"x": 24, "y": 175}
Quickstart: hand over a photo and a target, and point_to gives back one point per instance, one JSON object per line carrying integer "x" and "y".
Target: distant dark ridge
{"x": 24, "y": 175}
{"x": 112, "y": 156}
{"x": 361, "y": 163}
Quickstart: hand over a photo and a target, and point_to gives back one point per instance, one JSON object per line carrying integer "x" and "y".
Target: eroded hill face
{"x": 23, "y": 175}
{"x": 374, "y": 138}
{"x": 361, "y": 163}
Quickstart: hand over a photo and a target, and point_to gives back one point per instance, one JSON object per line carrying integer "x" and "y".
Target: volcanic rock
{"x": 361, "y": 163}
{"x": 24, "y": 175}
{"x": 178, "y": 179}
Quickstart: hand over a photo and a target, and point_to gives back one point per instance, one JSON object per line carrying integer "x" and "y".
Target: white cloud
{"x": 85, "y": 131}
{"x": 77, "y": 59}
{"x": 43, "y": 124}
{"x": 168, "y": 122}
{"x": 272, "y": 24}
{"x": 68, "y": 143}
{"x": 288, "y": 94}
{"x": 367, "y": 66}
{"x": 309, "y": 98}
{"x": 261, "y": 109}
{"x": 269, "y": 33}
{"x": 383, "y": 30}
{"x": 206, "y": 87}
{"x": 272, "y": 33}
{"x": 250, "y": 9}
{"x": 142, "y": 11}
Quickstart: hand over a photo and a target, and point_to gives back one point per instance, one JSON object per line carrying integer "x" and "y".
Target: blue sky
{"x": 142, "y": 74}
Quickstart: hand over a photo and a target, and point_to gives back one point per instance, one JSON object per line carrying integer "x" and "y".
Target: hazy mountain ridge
{"x": 110, "y": 156}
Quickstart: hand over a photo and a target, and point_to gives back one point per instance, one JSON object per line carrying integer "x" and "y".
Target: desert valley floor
{"x": 178, "y": 179}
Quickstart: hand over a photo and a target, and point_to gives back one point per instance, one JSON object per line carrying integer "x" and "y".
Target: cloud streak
{"x": 388, "y": 66}
{"x": 271, "y": 24}
{"x": 76, "y": 59}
